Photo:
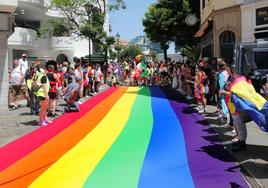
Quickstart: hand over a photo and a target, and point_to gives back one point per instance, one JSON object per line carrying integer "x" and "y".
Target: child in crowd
{"x": 113, "y": 80}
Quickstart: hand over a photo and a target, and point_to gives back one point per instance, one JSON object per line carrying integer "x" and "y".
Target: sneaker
{"x": 53, "y": 115}
{"x": 79, "y": 102}
{"x": 49, "y": 114}
{"x": 197, "y": 108}
{"x": 189, "y": 97}
{"x": 204, "y": 110}
{"x": 48, "y": 121}
{"x": 234, "y": 144}
{"x": 235, "y": 140}
{"x": 42, "y": 124}
{"x": 239, "y": 146}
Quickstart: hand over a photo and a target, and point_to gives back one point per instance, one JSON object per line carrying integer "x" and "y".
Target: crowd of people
{"x": 205, "y": 82}
{"x": 45, "y": 86}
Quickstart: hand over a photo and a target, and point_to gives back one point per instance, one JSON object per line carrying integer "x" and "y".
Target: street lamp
{"x": 118, "y": 48}
{"x": 89, "y": 7}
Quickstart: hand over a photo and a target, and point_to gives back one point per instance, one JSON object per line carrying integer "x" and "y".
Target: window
{"x": 227, "y": 41}
{"x": 203, "y": 4}
{"x": 260, "y": 59}
{"x": 227, "y": 38}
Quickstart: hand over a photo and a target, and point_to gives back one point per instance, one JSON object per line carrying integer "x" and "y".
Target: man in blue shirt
{"x": 71, "y": 94}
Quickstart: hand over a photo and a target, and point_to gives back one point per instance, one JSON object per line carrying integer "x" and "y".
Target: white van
{"x": 176, "y": 57}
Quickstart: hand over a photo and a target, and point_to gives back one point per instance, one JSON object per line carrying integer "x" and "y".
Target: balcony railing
{"x": 23, "y": 38}
{"x": 54, "y": 13}
{"x": 61, "y": 43}
{"x": 41, "y": 2}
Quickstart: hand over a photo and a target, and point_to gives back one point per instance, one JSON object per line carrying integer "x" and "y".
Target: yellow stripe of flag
{"x": 246, "y": 91}
{"x": 72, "y": 169}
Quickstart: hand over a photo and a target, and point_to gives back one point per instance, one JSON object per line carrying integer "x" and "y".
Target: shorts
{"x": 19, "y": 89}
{"x": 52, "y": 95}
{"x": 41, "y": 98}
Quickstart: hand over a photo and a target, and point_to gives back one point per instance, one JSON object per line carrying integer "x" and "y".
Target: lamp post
{"x": 118, "y": 48}
{"x": 89, "y": 7}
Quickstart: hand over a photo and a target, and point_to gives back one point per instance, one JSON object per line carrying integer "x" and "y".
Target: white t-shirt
{"x": 24, "y": 63}
{"x": 77, "y": 74}
{"x": 98, "y": 75}
{"x": 16, "y": 75}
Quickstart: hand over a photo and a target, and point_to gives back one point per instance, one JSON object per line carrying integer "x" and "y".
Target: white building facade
{"x": 254, "y": 20}
{"x": 30, "y": 15}
{"x": 20, "y": 21}
{"x": 226, "y": 22}
{"x": 7, "y": 7}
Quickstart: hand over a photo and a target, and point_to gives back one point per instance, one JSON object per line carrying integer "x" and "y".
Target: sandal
{"x": 14, "y": 108}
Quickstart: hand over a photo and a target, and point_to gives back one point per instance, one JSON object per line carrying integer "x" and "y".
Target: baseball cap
{"x": 23, "y": 55}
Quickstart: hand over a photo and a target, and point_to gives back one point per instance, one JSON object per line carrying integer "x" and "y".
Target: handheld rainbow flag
{"x": 124, "y": 137}
{"x": 245, "y": 98}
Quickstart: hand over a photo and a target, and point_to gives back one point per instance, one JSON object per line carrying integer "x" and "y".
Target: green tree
{"x": 153, "y": 55}
{"x": 113, "y": 54}
{"x": 55, "y": 27}
{"x": 130, "y": 52}
{"x": 167, "y": 18}
{"x": 84, "y": 25}
{"x": 157, "y": 26}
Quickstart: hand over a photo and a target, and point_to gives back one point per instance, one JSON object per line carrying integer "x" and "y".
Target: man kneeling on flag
{"x": 71, "y": 95}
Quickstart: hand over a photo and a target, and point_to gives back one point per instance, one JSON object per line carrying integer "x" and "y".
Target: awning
{"x": 95, "y": 58}
{"x": 202, "y": 29}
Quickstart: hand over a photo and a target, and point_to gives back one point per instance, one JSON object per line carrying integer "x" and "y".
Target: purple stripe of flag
{"x": 211, "y": 165}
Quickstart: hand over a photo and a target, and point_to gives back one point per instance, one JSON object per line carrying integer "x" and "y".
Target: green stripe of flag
{"x": 121, "y": 165}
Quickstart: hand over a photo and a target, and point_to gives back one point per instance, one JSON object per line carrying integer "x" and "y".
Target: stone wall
{"x": 4, "y": 87}
{"x": 228, "y": 19}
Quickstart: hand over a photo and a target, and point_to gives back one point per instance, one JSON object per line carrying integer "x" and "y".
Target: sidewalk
{"x": 16, "y": 123}
{"x": 253, "y": 163}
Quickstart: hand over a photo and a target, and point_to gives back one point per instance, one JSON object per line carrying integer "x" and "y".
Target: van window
{"x": 245, "y": 65}
{"x": 261, "y": 59}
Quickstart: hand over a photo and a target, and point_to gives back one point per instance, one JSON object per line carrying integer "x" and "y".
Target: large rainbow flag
{"x": 122, "y": 138}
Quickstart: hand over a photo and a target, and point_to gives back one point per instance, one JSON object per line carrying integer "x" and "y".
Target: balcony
{"x": 39, "y": 2}
{"x": 8, "y": 5}
{"x": 54, "y": 13}
{"x": 23, "y": 38}
{"x": 61, "y": 43}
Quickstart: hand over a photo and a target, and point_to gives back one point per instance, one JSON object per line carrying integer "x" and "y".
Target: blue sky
{"x": 128, "y": 22}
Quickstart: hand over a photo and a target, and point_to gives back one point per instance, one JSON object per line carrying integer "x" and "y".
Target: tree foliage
{"x": 165, "y": 22}
{"x": 112, "y": 54}
{"x": 153, "y": 55}
{"x": 157, "y": 26}
{"x": 130, "y": 52}
{"x": 55, "y": 27}
{"x": 84, "y": 25}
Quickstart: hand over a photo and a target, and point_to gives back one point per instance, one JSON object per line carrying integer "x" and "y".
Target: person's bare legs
{"x": 15, "y": 100}
{"x": 42, "y": 113}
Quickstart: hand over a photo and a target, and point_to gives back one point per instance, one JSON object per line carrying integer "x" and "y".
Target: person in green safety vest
{"x": 42, "y": 94}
